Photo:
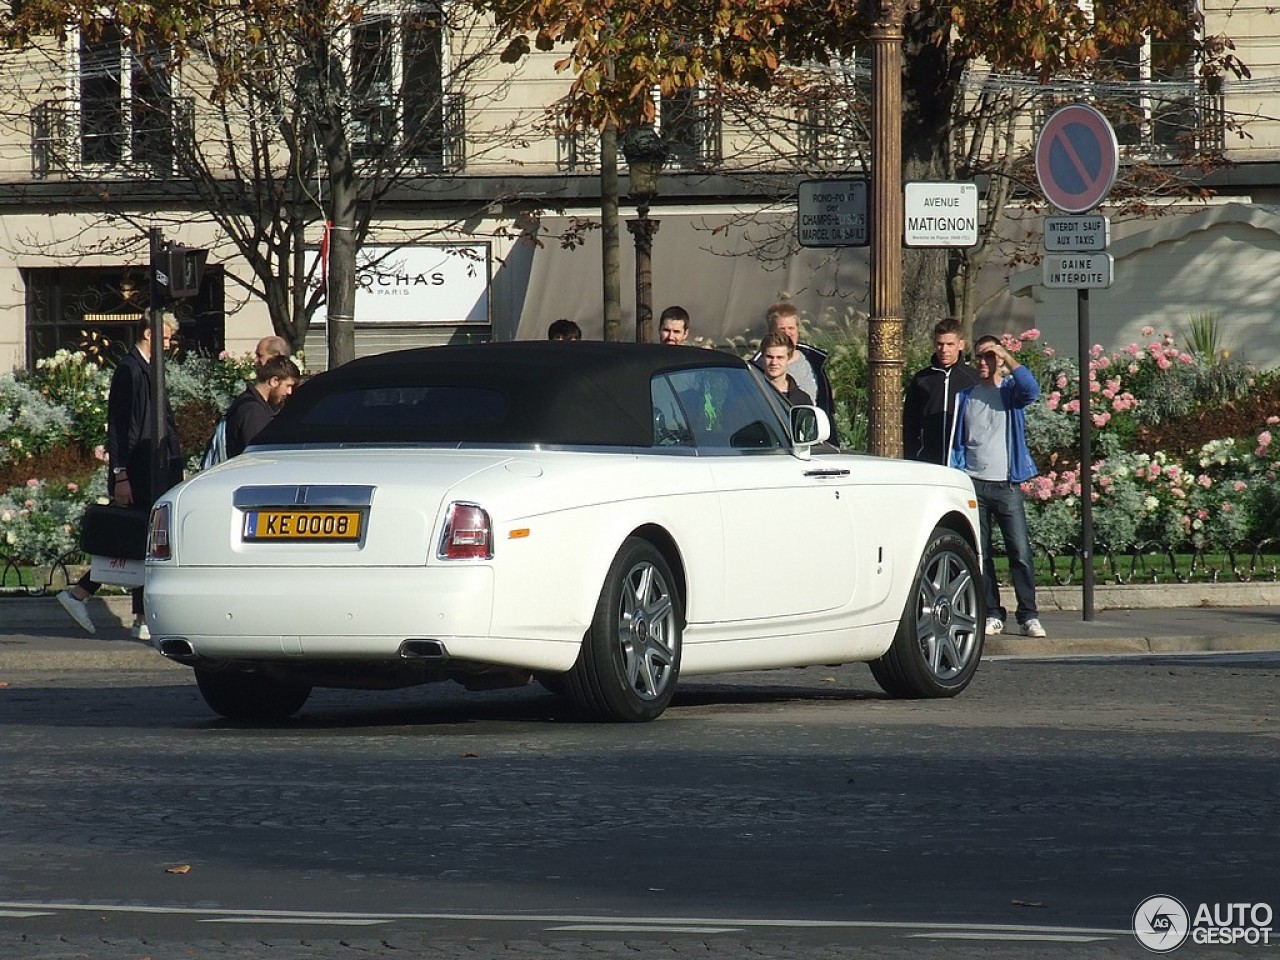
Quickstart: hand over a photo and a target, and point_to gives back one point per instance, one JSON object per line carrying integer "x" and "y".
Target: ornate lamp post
{"x": 646, "y": 154}
{"x": 884, "y": 341}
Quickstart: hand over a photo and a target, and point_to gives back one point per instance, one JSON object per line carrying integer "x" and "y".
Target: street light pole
{"x": 646, "y": 154}
{"x": 885, "y": 336}
{"x": 643, "y": 229}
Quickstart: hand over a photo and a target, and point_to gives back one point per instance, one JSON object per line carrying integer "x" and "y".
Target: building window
{"x": 832, "y": 110}
{"x": 578, "y": 151}
{"x": 74, "y": 308}
{"x": 125, "y": 100}
{"x": 689, "y": 125}
{"x": 119, "y": 116}
{"x": 833, "y": 133}
{"x": 1151, "y": 93}
{"x": 397, "y": 86}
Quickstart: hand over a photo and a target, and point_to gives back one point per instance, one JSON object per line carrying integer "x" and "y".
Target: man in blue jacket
{"x": 990, "y": 445}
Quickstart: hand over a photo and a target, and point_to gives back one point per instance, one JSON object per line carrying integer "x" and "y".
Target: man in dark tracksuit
{"x": 929, "y": 409}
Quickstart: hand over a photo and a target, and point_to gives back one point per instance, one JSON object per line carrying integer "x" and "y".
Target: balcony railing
{"x": 1159, "y": 120}
{"x": 144, "y": 140}
{"x": 132, "y": 139}
{"x": 832, "y": 134}
{"x": 694, "y": 141}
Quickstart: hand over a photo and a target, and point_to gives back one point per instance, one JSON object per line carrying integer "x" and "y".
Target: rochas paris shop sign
{"x": 427, "y": 283}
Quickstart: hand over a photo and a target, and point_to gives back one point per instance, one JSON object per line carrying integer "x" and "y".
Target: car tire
{"x": 938, "y": 644}
{"x": 630, "y": 658}
{"x": 240, "y": 695}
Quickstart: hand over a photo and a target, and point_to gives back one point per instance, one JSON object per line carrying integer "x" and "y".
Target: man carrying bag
{"x": 130, "y": 458}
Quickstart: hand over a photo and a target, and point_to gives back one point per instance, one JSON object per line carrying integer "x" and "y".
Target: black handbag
{"x": 110, "y": 530}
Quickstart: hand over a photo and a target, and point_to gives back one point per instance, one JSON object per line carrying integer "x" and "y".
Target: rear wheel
{"x": 239, "y": 695}
{"x": 939, "y": 640}
{"x": 630, "y": 658}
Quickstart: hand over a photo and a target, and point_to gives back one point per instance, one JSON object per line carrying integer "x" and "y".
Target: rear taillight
{"x": 158, "y": 536}
{"x": 467, "y": 534}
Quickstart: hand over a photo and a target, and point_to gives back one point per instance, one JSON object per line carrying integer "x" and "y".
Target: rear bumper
{"x": 339, "y": 613}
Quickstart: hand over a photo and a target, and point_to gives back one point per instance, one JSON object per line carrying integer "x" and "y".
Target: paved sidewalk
{"x": 1164, "y": 618}
{"x": 1154, "y": 618}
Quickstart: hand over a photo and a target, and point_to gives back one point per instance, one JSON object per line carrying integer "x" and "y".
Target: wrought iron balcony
{"x": 691, "y": 131}
{"x": 117, "y": 139}
{"x": 145, "y": 140}
{"x": 1159, "y": 120}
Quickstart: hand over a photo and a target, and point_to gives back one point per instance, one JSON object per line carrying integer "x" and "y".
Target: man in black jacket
{"x": 130, "y": 455}
{"x": 252, "y": 410}
{"x": 929, "y": 409}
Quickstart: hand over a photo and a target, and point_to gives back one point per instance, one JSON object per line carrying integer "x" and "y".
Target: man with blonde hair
{"x": 807, "y": 363}
{"x": 776, "y": 352}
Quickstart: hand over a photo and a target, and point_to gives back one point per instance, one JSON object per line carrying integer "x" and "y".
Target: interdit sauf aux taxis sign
{"x": 1163, "y": 923}
{"x": 421, "y": 283}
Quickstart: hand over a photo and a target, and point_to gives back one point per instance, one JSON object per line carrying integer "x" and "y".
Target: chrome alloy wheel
{"x": 648, "y": 630}
{"x": 948, "y": 608}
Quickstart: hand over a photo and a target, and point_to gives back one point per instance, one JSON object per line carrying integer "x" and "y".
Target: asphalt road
{"x": 786, "y": 814}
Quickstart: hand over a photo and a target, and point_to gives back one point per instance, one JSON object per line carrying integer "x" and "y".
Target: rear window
{"x": 414, "y": 407}
{"x": 429, "y": 412}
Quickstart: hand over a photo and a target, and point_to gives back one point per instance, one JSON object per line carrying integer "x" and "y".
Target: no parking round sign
{"x": 1077, "y": 158}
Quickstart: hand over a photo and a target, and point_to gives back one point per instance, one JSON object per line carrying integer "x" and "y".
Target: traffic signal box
{"x": 185, "y": 269}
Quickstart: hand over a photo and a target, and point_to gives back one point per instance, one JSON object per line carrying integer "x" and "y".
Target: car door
{"x": 788, "y": 543}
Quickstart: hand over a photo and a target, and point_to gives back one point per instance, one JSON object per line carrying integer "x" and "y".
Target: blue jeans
{"x": 1002, "y": 502}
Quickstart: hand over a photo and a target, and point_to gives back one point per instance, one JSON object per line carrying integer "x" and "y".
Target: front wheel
{"x": 939, "y": 640}
{"x": 240, "y": 695}
{"x": 630, "y": 658}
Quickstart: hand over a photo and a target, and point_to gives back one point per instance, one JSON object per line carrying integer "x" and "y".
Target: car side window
{"x": 727, "y": 411}
{"x": 670, "y": 425}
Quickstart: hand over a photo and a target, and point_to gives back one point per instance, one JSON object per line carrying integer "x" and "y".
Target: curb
{"x": 1003, "y": 646}
{"x": 1161, "y": 596}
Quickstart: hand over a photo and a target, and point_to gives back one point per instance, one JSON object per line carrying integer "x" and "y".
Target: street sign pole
{"x": 1077, "y": 159}
{"x": 1086, "y": 456}
{"x": 160, "y": 285}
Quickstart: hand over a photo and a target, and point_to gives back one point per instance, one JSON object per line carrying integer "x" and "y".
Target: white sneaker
{"x": 141, "y": 632}
{"x": 78, "y": 609}
{"x": 994, "y": 625}
{"x": 1033, "y": 628}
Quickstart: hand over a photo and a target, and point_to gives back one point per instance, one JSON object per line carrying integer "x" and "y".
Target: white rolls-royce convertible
{"x": 602, "y": 518}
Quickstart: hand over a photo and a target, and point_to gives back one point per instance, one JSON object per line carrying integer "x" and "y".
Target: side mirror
{"x": 809, "y": 425}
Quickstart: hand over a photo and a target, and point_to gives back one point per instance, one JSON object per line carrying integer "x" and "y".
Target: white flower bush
{"x": 62, "y": 403}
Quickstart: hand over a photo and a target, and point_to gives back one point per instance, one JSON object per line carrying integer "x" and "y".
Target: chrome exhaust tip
{"x": 178, "y": 649}
{"x": 423, "y": 650}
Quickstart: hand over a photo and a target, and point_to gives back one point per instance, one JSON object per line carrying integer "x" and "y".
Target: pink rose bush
{"x": 1222, "y": 496}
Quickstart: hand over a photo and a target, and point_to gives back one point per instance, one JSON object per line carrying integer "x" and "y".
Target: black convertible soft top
{"x": 552, "y": 392}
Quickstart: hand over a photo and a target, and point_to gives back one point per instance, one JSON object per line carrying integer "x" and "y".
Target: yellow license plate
{"x": 330, "y": 525}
